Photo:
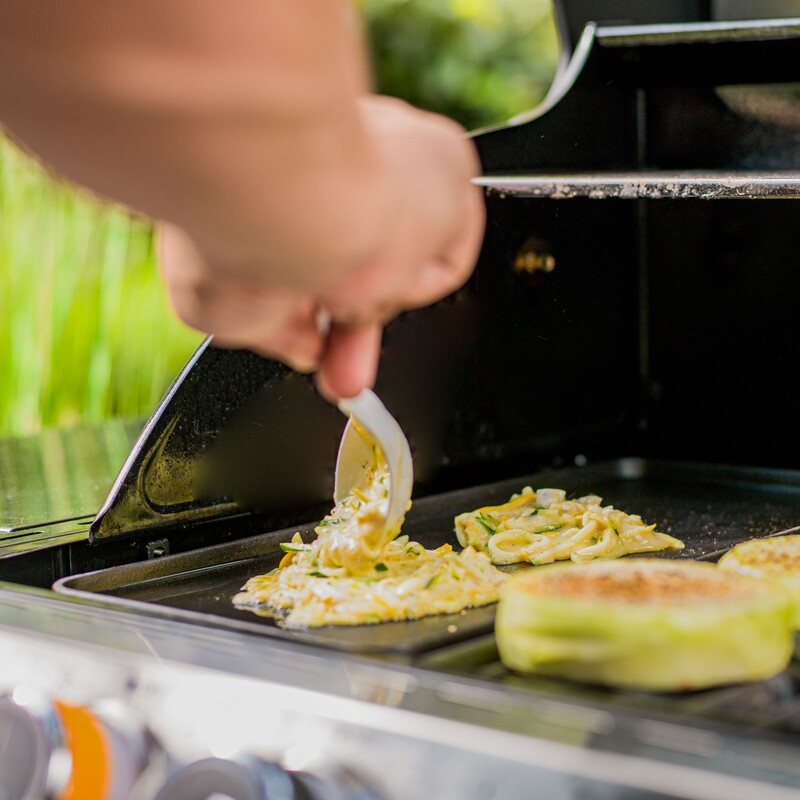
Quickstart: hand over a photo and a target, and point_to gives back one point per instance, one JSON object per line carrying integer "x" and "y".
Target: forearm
{"x": 248, "y": 125}
{"x": 238, "y": 122}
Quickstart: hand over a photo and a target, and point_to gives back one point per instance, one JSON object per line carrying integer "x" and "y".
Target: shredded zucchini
{"x": 543, "y": 526}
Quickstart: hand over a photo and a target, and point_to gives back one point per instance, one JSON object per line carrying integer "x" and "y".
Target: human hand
{"x": 287, "y": 188}
{"x": 432, "y": 242}
{"x": 427, "y": 239}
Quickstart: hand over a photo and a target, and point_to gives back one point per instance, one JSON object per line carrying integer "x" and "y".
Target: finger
{"x": 178, "y": 258}
{"x": 299, "y": 348}
{"x": 350, "y": 361}
{"x": 464, "y": 250}
{"x": 367, "y": 294}
{"x": 290, "y": 335}
{"x": 276, "y": 323}
{"x": 443, "y": 275}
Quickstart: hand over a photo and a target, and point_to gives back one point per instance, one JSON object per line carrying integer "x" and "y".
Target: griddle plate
{"x": 711, "y": 508}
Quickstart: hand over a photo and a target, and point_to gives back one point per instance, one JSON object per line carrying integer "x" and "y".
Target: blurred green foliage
{"x": 85, "y": 330}
{"x": 478, "y": 61}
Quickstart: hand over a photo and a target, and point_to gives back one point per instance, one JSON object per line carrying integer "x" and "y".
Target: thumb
{"x": 350, "y": 361}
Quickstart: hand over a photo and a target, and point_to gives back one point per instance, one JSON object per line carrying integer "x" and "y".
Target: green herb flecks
{"x": 294, "y": 547}
{"x": 487, "y": 524}
{"x": 549, "y": 528}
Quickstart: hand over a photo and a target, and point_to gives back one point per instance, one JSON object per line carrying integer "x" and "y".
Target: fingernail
{"x": 306, "y": 367}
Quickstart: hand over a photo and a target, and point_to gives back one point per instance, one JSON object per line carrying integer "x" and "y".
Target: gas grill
{"x": 631, "y": 331}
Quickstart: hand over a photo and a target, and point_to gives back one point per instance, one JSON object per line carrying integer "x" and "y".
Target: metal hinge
{"x": 157, "y": 549}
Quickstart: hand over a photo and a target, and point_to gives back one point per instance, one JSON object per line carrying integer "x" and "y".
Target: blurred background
{"x": 86, "y": 334}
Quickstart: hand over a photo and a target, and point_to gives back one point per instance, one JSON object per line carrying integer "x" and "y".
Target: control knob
{"x": 251, "y": 778}
{"x": 56, "y": 750}
{"x": 31, "y": 747}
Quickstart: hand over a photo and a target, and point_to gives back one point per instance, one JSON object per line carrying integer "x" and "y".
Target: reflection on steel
{"x": 649, "y": 185}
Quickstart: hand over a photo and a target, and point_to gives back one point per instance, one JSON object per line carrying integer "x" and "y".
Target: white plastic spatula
{"x": 355, "y": 463}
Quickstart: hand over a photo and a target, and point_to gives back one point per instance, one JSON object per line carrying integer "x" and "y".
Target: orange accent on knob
{"x": 91, "y": 759}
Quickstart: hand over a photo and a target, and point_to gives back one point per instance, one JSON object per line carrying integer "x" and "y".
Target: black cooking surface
{"x": 710, "y": 508}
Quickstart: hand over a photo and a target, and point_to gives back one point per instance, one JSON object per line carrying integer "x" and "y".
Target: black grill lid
{"x": 237, "y": 435}
{"x": 543, "y": 355}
